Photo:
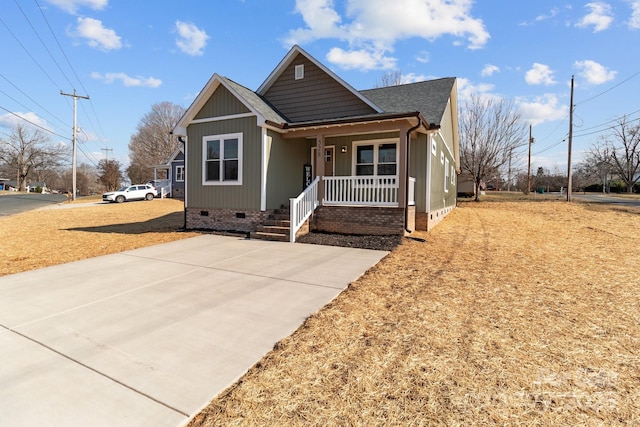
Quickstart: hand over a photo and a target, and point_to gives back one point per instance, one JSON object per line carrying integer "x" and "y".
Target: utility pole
{"x": 570, "y": 141}
{"x": 529, "y": 163}
{"x": 509, "y": 174}
{"x": 106, "y": 153}
{"x": 75, "y": 131}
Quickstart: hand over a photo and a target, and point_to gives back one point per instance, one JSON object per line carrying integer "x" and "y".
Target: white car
{"x": 132, "y": 192}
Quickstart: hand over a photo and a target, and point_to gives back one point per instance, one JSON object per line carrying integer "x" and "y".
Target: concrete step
{"x": 269, "y": 236}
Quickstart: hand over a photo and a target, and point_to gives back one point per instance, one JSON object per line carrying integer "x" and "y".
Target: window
{"x": 380, "y": 158}
{"x": 446, "y": 175}
{"x": 434, "y": 147}
{"x": 453, "y": 175}
{"x": 222, "y": 159}
{"x": 299, "y": 72}
{"x": 179, "y": 173}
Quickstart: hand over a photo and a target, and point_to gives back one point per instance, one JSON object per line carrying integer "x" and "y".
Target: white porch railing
{"x": 302, "y": 207}
{"x": 412, "y": 191}
{"x": 361, "y": 190}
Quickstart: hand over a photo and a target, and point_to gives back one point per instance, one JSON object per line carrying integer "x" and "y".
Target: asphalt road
{"x": 607, "y": 199}
{"x": 11, "y": 204}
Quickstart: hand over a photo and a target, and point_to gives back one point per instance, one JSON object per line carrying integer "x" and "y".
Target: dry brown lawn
{"x": 524, "y": 313}
{"x": 513, "y": 313}
{"x": 45, "y": 237}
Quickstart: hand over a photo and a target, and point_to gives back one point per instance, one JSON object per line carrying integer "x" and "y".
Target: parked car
{"x": 132, "y": 192}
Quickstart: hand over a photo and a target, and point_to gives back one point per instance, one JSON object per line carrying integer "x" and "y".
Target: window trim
{"x": 222, "y": 138}
{"x": 178, "y": 167}
{"x": 376, "y": 145}
{"x": 299, "y": 72}
{"x": 447, "y": 178}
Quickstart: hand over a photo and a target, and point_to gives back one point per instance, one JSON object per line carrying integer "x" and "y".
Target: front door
{"x": 328, "y": 158}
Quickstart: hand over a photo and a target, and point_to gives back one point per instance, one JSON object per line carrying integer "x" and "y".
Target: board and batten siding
{"x": 222, "y": 103}
{"x": 316, "y": 96}
{"x": 419, "y": 156}
{"x": 245, "y": 196}
{"x": 285, "y": 162}
{"x": 441, "y": 199}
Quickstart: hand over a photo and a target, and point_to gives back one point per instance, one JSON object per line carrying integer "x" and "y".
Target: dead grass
{"x": 509, "y": 314}
{"x": 47, "y": 237}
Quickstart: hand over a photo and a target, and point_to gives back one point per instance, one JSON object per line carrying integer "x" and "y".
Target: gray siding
{"x": 344, "y": 161}
{"x": 439, "y": 198}
{"x": 245, "y": 196}
{"x": 286, "y": 159}
{"x": 419, "y": 156}
{"x": 222, "y": 103}
{"x": 316, "y": 96}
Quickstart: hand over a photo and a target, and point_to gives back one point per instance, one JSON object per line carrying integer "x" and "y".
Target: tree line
{"x": 28, "y": 155}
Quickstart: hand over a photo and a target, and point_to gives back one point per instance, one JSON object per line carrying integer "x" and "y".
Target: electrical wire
{"x": 35, "y": 124}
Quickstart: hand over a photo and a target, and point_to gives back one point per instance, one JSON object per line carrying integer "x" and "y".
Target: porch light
{"x": 343, "y": 149}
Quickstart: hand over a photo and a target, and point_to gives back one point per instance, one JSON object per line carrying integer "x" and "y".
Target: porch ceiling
{"x": 351, "y": 127}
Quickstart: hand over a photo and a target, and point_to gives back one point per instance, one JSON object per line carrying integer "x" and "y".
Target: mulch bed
{"x": 383, "y": 243}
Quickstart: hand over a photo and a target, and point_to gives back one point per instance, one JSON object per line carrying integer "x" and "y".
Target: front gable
{"x": 221, "y": 103}
{"x": 304, "y": 90}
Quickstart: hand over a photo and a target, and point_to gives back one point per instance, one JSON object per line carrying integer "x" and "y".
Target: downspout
{"x": 183, "y": 141}
{"x": 406, "y": 180}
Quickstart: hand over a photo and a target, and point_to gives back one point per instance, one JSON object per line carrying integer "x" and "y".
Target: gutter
{"x": 406, "y": 178}
{"x": 431, "y": 127}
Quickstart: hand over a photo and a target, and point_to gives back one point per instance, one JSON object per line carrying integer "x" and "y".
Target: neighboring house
{"x": 173, "y": 169}
{"x": 40, "y": 187}
{"x": 9, "y": 185}
{"x": 380, "y": 161}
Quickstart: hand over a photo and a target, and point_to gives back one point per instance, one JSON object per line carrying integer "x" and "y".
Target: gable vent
{"x": 299, "y": 72}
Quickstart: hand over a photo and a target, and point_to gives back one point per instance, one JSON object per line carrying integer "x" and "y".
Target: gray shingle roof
{"x": 430, "y": 98}
{"x": 257, "y": 102}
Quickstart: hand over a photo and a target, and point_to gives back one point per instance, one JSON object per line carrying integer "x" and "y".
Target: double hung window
{"x": 380, "y": 158}
{"x": 222, "y": 159}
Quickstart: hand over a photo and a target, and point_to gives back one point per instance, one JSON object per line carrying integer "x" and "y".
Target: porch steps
{"x": 276, "y": 228}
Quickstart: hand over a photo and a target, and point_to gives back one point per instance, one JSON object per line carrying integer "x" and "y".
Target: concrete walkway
{"x": 150, "y": 336}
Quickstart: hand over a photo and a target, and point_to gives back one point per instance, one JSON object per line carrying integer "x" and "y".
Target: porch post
{"x": 402, "y": 167}
{"x": 319, "y": 164}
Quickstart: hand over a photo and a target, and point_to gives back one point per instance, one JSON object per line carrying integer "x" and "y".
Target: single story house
{"x": 173, "y": 170}
{"x": 308, "y": 145}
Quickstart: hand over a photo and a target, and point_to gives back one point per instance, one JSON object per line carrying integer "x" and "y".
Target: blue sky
{"x": 127, "y": 55}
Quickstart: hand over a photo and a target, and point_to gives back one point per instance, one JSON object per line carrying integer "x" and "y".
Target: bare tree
{"x": 489, "y": 129}
{"x": 153, "y": 143}
{"x": 621, "y": 150}
{"x": 390, "y": 78}
{"x": 597, "y": 165}
{"x": 28, "y": 151}
{"x": 110, "y": 174}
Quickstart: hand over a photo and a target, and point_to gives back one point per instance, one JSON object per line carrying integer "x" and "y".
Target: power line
{"x": 610, "y": 89}
{"x": 34, "y": 124}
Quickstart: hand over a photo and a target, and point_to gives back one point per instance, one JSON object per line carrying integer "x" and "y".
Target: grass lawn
{"x": 516, "y": 312}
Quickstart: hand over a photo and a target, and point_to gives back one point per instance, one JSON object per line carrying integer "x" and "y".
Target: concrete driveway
{"x": 150, "y": 336}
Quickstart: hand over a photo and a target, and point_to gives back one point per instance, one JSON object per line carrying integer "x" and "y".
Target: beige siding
{"x": 222, "y": 103}
{"x": 245, "y": 196}
{"x": 285, "y": 169}
{"x": 316, "y": 96}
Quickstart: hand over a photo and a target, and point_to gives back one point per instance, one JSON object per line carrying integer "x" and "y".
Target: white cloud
{"x": 10, "y": 121}
{"x": 546, "y": 108}
{"x": 127, "y": 80}
{"x": 634, "y": 21}
{"x": 97, "y": 35}
{"x": 466, "y": 88}
{"x": 594, "y": 73}
{"x": 191, "y": 39}
{"x": 72, "y": 6}
{"x": 489, "y": 70}
{"x": 376, "y": 25}
{"x": 360, "y": 59}
{"x": 540, "y": 74}
{"x": 423, "y": 57}
{"x": 600, "y": 17}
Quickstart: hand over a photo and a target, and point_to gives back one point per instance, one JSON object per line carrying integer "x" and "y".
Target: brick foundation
{"x": 225, "y": 219}
{"x": 359, "y": 220}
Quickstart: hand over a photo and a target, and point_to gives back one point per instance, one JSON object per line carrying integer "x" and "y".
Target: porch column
{"x": 319, "y": 165}
{"x": 402, "y": 167}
